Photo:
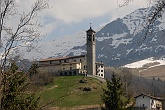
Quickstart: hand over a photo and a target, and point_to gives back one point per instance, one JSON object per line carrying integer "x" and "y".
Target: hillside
{"x": 72, "y": 93}
{"x": 149, "y": 68}
{"x": 69, "y": 92}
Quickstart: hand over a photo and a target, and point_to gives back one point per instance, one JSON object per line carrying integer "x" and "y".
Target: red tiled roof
{"x": 62, "y": 58}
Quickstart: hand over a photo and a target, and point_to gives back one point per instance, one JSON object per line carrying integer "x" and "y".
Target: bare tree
{"x": 127, "y": 79}
{"x": 25, "y": 31}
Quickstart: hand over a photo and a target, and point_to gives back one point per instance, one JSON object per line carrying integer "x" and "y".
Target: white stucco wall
{"x": 143, "y": 100}
{"x": 100, "y": 71}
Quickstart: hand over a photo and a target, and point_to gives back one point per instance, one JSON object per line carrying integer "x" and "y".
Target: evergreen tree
{"x": 14, "y": 92}
{"x": 33, "y": 69}
{"x": 113, "y": 94}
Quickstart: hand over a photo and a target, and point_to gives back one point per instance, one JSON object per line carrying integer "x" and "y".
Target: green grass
{"x": 65, "y": 92}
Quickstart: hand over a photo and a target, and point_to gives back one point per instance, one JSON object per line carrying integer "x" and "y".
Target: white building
{"x": 64, "y": 66}
{"x": 100, "y": 69}
{"x": 148, "y": 102}
{"x": 69, "y": 66}
{"x": 75, "y": 65}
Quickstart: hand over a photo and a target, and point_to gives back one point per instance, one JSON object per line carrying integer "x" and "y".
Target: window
{"x": 93, "y": 38}
{"x": 101, "y": 70}
{"x": 63, "y": 68}
{"x": 70, "y": 73}
{"x": 70, "y": 68}
{"x": 84, "y": 66}
{"x": 74, "y": 60}
{"x": 64, "y": 61}
{"x": 70, "y": 64}
{"x": 75, "y": 73}
{"x": 80, "y": 60}
{"x": 89, "y": 37}
{"x": 101, "y": 66}
{"x": 101, "y": 74}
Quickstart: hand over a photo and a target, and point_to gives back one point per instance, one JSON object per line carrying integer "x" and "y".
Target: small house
{"x": 148, "y": 102}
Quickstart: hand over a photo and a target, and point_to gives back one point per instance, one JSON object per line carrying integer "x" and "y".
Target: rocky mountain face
{"x": 121, "y": 41}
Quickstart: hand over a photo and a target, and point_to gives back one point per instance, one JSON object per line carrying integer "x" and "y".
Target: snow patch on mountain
{"x": 135, "y": 20}
{"x": 102, "y": 38}
{"x": 119, "y": 39}
{"x": 102, "y": 55}
{"x": 140, "y": 64}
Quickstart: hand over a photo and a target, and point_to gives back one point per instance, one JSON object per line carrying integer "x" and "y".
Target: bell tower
{"x": 91, "y": 51}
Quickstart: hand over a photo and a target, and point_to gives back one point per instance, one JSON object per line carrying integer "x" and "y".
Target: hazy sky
{"x": 69, "y": 16}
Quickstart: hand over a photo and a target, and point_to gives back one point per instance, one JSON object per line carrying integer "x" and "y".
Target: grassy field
{"x": 67, "y": 91}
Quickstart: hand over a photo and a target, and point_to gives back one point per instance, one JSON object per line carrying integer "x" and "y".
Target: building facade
{"x": 64, "y": 66}
{"x": 148, "y": 102}
{"x": 75, "y": 65}
{"x": 69, "y": 66}
{"x": 100, "y": 69}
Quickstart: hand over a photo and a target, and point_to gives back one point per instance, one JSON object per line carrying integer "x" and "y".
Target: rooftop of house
{"x": 62, "y": 58}
{"x": 153, "y": 97}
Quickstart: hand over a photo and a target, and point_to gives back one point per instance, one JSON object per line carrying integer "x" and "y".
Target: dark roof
{"x": 101, "y": 63}
{"x": 157, "y": 98}
{"x": 90, "y": 29}
{"x": 62, "y": 58}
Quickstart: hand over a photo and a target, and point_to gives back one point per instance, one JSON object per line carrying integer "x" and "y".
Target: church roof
{"x": 62, "y": 58}
{"x": 90, "y": 30}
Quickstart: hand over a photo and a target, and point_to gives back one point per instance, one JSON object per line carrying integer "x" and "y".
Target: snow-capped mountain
{"x": 117, "y": 43}
{"x": 121, "y": 41}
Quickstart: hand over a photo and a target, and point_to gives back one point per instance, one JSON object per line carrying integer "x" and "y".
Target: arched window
{"x": 89, "y": 37}
{"x": 93, "y": 38}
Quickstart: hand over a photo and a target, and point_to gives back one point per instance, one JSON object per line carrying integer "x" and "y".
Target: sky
{"x": 69, "y": 16}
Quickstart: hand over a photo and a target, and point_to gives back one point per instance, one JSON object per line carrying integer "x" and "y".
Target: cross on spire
{"x": 90, "y": 25}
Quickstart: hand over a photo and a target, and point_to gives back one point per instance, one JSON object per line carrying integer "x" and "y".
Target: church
{"x": 75, "y": 65}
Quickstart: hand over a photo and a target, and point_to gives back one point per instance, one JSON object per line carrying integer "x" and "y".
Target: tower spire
{"x": 90, "y": 25}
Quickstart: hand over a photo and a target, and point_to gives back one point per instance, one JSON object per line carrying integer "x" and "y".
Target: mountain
{"x": 118, "y": 43}
{"x": 121, "y": 41}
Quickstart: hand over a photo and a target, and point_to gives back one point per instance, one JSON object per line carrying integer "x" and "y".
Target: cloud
{"x": 76, "y": 11}
{"x": 48, "y": 28}
{"x": 72, "y": 11}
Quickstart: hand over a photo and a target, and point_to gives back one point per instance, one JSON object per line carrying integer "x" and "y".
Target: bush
{"x": 86, "y": 89}
{"x": 42, "y": 79}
